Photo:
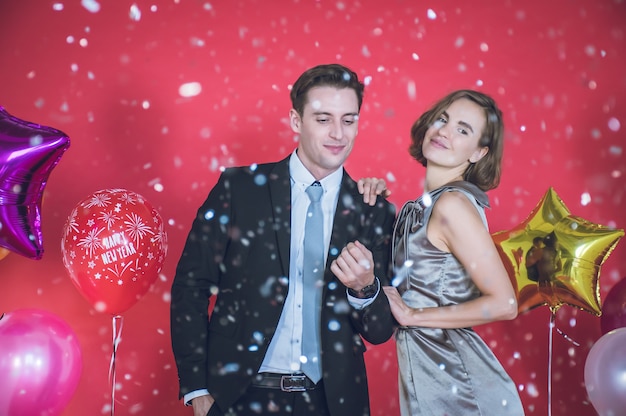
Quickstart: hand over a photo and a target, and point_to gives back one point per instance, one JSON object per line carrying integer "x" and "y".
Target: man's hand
{"x": 371, "y": 187}
{"x": 354, "y": 266}
{"x": 202, "y": 404}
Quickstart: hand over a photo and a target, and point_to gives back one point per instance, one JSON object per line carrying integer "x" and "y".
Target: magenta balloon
{"x": 40, "y": 363}
{"x": 605, "y": 373}
{"x": 614, "y": 308}
{"x": 28, "y": 153}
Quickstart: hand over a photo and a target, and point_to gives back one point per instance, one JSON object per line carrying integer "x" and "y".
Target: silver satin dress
{"x": 443, "y": 372}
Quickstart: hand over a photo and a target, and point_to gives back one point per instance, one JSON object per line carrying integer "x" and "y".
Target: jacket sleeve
{"x": 196, "y": 279}
{"x": 375, "y": 322}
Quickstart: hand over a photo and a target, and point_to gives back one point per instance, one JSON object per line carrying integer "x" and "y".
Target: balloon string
{"x": 117, "y": 337}
{"x": 552, "y": 318}
{"x": 567, "y": 337}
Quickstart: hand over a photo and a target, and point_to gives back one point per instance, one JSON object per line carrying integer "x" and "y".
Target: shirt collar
{"x": 300, "y": 174}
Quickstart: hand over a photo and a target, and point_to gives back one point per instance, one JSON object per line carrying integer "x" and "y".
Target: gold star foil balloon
{"x": 554, "y": 258}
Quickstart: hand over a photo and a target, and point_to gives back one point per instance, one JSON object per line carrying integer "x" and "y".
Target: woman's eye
{"x": 439, "y": 123}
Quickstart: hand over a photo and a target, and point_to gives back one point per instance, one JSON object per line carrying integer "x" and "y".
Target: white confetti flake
{"x": 532, "y": 390}
{"x": 196, "y": 42}
{"x": 57, "y": 7}
{"x": 585, "y": 199}
{"x": 134, "y": 13}
{"x": 614, "y": 124}
{"x": 91, "y": 5}
{"x": 411, "y": 90}
{"x": 190, "y": 89}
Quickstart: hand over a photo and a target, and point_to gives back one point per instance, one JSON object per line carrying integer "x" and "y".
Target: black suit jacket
{"x": 238, "y": 249}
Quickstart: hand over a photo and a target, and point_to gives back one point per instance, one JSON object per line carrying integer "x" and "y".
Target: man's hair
{"x": 486, "y": 172}
{"x": 329, "y": 75}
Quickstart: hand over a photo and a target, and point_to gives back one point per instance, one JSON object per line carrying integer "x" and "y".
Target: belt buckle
{"x": 292, "y": 383}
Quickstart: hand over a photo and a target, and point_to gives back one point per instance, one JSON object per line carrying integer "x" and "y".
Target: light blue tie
{"x": 313, "y": 277}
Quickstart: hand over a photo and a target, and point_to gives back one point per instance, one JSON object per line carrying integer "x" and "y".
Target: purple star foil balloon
{"x": 28, "y": 153}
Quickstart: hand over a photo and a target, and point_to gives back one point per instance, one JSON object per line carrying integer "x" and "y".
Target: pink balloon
{"x": 614, "y": 308}
{"x": 605, "y": 373}
{"x": 40, "y": 363}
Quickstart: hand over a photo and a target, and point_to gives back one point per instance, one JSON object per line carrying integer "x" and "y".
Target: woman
{"x": 448, "y": 275}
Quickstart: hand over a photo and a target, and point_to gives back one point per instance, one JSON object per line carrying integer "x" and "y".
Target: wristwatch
{"x": 367, "y": 292}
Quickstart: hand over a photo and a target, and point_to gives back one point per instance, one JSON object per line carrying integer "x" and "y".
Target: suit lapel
{"x": 280, "y": 198}
{"x": 345, "y": 217}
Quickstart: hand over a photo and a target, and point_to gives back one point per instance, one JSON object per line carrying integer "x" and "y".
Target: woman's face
{"x": 453, "y": 139}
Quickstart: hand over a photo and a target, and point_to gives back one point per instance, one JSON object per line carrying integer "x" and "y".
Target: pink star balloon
{"x": 28, "y": 153}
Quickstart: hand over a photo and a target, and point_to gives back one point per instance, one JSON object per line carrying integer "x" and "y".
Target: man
{"x": 246, "y": 247}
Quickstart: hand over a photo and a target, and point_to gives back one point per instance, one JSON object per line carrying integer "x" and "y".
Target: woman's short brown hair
{"x": 486, "y": 172}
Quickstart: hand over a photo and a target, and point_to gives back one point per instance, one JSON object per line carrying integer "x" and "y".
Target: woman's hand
{"x": 404, "y": 314}
{"x": 372, "y": 187}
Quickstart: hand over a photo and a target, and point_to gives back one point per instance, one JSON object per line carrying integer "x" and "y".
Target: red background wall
{"x": 110, "y": 79}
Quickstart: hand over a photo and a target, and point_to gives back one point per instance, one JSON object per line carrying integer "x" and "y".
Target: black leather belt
{"x": 284, "y": 382}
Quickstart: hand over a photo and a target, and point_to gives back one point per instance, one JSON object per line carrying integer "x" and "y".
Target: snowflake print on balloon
{"x": 114, "y": 246}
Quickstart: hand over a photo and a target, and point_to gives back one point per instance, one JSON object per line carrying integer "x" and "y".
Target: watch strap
{"x": 368, "y": 291}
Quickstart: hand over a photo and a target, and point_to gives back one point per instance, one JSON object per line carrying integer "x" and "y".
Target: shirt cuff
{"x": 358, "y": 303}
{"x": 187, "y": 398}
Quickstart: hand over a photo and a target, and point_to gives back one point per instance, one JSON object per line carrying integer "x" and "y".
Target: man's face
{"x": 327, "y": 129}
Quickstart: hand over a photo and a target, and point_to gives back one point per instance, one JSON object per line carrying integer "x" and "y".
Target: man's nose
{"x": 336, "y": 130}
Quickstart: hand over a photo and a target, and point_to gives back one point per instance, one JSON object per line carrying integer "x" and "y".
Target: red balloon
{"x": 40, "y": 363}
{"x": 605, "y": 373}
{"x": 114, "y": 246}
{"x": 614, "y": 308}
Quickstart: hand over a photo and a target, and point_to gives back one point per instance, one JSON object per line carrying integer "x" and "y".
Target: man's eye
{"x": 322, "y": 120}
{"x": 348, "y": 121}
